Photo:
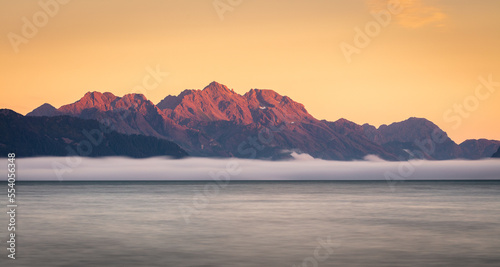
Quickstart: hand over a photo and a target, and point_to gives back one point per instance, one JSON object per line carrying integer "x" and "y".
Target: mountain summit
{"x": 218, "y": 122}
{"x": 215, "y": 102}
{"x": 44, "y": 110}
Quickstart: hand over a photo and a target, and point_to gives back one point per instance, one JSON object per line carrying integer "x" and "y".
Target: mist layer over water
{"x": 304, "y": 168}
{"x": 422, "y": 223}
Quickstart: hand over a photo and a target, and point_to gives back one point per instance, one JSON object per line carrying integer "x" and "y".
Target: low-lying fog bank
{"x": 302, "y": 168}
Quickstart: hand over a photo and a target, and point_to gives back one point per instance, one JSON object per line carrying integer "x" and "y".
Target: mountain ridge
{"x": 218, "y": 122}
{"x": 31, "y": 136}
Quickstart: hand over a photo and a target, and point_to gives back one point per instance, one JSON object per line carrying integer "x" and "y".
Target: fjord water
{"x": 424, "y": 223}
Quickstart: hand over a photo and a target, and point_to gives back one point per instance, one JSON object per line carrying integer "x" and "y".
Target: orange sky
{"x": 428, "y": 57}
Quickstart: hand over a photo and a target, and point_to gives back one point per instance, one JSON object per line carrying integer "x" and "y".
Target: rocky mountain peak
{"x": 217, "y": 88}
{"x": 96, "y": 100}
{"x": 44, "y": 110}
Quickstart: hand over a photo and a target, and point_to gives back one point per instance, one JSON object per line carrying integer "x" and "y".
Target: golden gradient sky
{"x": 428, "y": 58}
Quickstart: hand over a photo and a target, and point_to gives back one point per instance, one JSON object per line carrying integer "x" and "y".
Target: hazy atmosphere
{"x": 250, "y": 133}
{"x": 225, "y": 171}
{"x": 424, "y": 59}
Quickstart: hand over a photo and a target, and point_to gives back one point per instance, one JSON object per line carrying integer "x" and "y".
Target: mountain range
{"x": 68, "y": 136}
{"x": 218, "y": 122}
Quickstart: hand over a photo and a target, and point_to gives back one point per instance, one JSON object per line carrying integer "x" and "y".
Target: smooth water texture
{"x": 424, "y": 223}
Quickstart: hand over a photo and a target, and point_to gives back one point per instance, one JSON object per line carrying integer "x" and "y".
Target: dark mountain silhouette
{"x": 476, "y": 149}
{"x": 497, "y": 154}
{"x": 29, "y": 136}
{"x": 219, "y": 122}
{"x": 414, "y": 137}
{"x": 45, "y": 110}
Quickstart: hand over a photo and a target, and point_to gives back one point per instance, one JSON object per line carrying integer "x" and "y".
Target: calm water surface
{"x": 256, "y": 224}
